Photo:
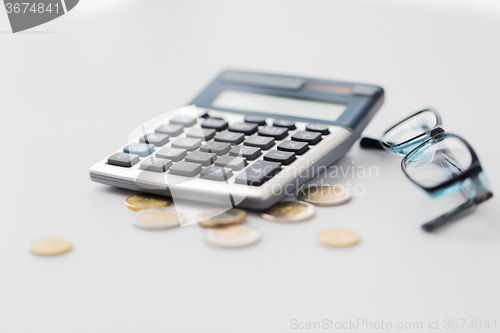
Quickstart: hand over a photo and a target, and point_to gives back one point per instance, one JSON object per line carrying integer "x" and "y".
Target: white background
{"x": 73, "y": 89}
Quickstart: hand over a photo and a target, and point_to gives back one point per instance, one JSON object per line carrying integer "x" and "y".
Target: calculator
{"x": 247, "y": 140}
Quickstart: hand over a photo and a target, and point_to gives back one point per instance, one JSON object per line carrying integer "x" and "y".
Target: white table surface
{"x": 73, "y": 89}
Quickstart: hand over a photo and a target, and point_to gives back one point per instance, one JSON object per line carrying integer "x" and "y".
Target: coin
{"x": 221, "y": 217}
{"x": 50, "y": 246}
{"x": 232, "y": 236}
{"x": 289, "y": 211}
{"x": 325, "y": 195}
{"x": 145, "y": 200}
{"x": 157, "y": 218}
{"x": 338, "y": 238}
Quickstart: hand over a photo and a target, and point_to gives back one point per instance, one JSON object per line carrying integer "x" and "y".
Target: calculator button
{"x": 141, "y": 149}
{"x": 220, "y": 148}
{"x": 323, "y": 129}
{"x": 283, "y": 157}
{"x": 155, "y": 139}
{"x": 216, "y": 173}
{"x": 123, "y": 159}
{"x": 256, "y": 120}
{"x": 279, "y": 133}
{"x": 184, "y": 121}
{"x": 230, "y": 137}
{"x": 216, "y": 124}
{"x": 202, "y": 158}
{"x": 173, "y": 154}
{"x": 250, "y": 153}
{"x": 185, "y": 169}
{"x": 155, "y": 164}
{"x": 284, "y": 123}
{"x": 258, "y": 173}
{"x": 201, "y": 133}
{"x": 171, "y": 129}
{"x": 296, "y": 147}
{"x": 311, "y": 138}
{"x": 186, "y": 143}
{"x": 261, "y": 142}
{"x": 245, "y": 128}
{"x": 235, "y": 163}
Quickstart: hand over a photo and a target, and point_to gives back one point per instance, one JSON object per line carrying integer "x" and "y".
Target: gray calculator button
{"x": 201, "y": 133}
{"x": 186, "y": 143}
{"x": 155, "y": 139}
{"x": 256, "y": 120}
{"x": 155, "y": 164}
{"x": 233, "y": 162}
{"x": 230, "y": 137}
{"x": 258, "y": 173}
{"x": 283, "y": 157}
{"x": 323, "y": 129}
{"x": 216, "y": 124}
{"x": 220, "y": 148}
{"x": 202, "y": 158}
{"x": 173, "y": 154}
{"x": 284, "y": 123}
{"x": 296, "y": 147}
{"x": 261, "y": 142}
{"x": 171, "y": 129}
{"x": 185, "y": 169}
{"x": 216, "y": 173}
{"x": 279, "y": 133}
{"x": 123, "y": 159}
{"x": 311, "y": 138}
{"x": 245, "y": 128}
{"x": 184, "y": 121}
{"x": 250, "y": 153}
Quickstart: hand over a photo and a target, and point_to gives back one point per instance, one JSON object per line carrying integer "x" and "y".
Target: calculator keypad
{"x": 172, "y": 130}
{"x": 230, "y": 137}
{"x": 138, "y": 148}
{"x": 261, "y": 142}
{"x": 123, "y": 160}
{"x": 155, "y": 139}
{"x": 186, "y": 169}
{"x": 216, "y": 124}
{"x": 279, "y": 133}
{"x": 311, "y": 138}
{"x": 296, "y": 147}
{"x": 186, "y": 143}
{"x": 282, "y": 157}
{"x": 258, "y": 173}
{"x": 173, "y": 154}
{"x": 155, "y": 164}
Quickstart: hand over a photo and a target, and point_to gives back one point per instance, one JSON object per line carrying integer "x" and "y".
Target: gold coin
{"x": 145, "y": 200}
{"x": 157, "y": 218}
{"x": 338, "y": 238}
{"x": 50, "y": 246}
{"x": 221, "y": 217}
{"x": 325, "y": 195}
{"x": 233, "y": 236}
{"x": 289, "y": 211}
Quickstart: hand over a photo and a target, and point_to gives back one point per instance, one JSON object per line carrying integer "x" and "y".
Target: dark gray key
{"x": 216, "y": 124}
{"x": 216, "y": 173}
{"x": 220, "y": 148}
{"x": 183, "y": 120}
{"x": 123, "y": 159}
{"x": 250, "y": 153}
{"x": 201, "y": 133}
{"x": 311, "y": 138}
{"x": 245, "y": 128}
{"x": 233, "y": 162}
{"x": 284, "y": 123}
{"x": 186, "y": 143}
{"x": 261, "y": 142}
{"x": 156, "y": 139}
{"x": 155, "y": 164}
{"x": 296, "y": 147}
{"x": 256, "y": 120}
{"x": 173, "y": 154}
{"x": 230, "y": 137}
{"x": 279, "y": 133}
{"x": 171, "y": 129}
{"x": 185, "y": 169}
{"x": 202, "y": 158}
{"x": 283, "y": 157}
{"x": 323, "y": 129}
{"x": 258, "y": 173}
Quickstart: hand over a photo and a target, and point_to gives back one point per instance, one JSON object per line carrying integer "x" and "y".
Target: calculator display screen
{"x": 247, "y": 101}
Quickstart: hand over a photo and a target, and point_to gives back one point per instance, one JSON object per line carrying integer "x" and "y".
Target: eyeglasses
{"x": 438, "y": 162}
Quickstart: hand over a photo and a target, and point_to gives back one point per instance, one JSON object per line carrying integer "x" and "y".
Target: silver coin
{"x": 325, "y": 195}
{"x": 157, "y": 218}
{"x": 289, "y": 211}
{"x": 232, "y": 236}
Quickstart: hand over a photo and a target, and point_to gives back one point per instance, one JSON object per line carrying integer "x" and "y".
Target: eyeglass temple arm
{"x": 369, "y": 143}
